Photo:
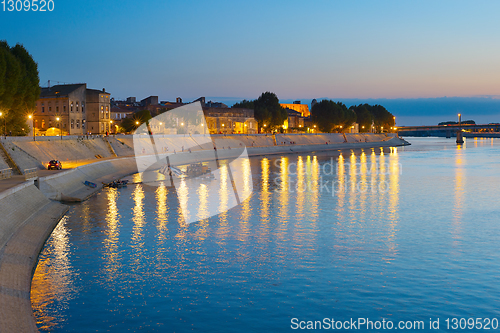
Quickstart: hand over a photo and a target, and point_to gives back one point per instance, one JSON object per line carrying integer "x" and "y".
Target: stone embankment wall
{"x": 27, "y": 153}
{"x": 27, "y": 220}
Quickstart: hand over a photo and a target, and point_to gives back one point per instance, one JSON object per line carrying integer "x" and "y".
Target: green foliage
{"x": 267, "y": 110}
{"x": 363, "y": 117}
{"x": 330, "y": 116}
{"x": 244, "y": 104}
{"x": 129, "y": 125}
{"x": 19, "y": 87}
{"x": 379, "y": 116}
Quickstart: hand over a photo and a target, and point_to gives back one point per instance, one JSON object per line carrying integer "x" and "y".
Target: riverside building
{"x": 71, "y": 109}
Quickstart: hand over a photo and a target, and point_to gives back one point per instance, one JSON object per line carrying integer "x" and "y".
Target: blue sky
{"x": 342, "y": 50}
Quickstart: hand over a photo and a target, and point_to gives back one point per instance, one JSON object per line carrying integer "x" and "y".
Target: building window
{"x": 43, "y": 123}
{"x": 71, "y": 107}
{"x": 78, "y": 123}
{"x": 83, "y": 123}
{"x": 76, "y": 106}
{"x": 72, "y": 123}
{"x": 64, "y": 125}
{"x": 57, "y": 109}
{"x": 64, "y": 108}
{"x": 43, "y": 109}
{"x": 50, "y": 108}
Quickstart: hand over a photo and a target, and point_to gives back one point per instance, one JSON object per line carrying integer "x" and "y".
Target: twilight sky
{"x": 344, "y": 50}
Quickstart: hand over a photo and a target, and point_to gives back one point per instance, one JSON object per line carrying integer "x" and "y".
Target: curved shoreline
{"x": 19, "y": 251}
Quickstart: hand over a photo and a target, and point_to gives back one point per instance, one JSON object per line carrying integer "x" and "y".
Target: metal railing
{"x": 6, "y": 173}
{"x": 30, "y": 173}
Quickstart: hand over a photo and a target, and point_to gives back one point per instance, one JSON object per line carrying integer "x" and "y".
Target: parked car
{"x": 54, "y": 165}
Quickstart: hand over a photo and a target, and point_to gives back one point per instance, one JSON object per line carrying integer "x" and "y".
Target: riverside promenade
{"x": 30, "y": 209}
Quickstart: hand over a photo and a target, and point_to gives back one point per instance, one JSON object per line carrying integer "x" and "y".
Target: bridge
{"x": 467, "y": 130}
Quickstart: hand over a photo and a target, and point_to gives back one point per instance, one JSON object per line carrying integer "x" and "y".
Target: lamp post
{"x": 30, "y": 117}
{"x": 60, "y": 127}
{"x": 460, "y": 138}
{"x": 4, "y": 124}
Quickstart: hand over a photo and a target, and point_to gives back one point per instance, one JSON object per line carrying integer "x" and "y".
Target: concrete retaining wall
{"x": 27, "y": 220}
{"x": 69, "y": 185}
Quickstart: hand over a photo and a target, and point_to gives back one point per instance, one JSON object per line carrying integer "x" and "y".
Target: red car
{"x": 54, "y": 165}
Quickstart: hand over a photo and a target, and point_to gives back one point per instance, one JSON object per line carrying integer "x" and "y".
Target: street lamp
{"x": 4, "y": 124}
{"x": 30, "y": 117}
{"x": 60, "y": 127}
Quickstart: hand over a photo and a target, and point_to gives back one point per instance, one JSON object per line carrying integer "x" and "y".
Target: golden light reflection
{"x": 341, "y": 189}
{"x": 362, "y": 186}
{"x": 161, "y": 211}
{"x": 314, "y": 194}
{"x": 225, "y": 190}
{"x": 203, "y": 211}
{"x": 183, "y": 197}
{"x": 284, "y": 190}
{"x": 459, "y": 186}
{"x": 54, "y": 277}
{"x": 110, "y": 242}
{"x": 300, "y": 188}
{"x": 393, "y": 195}
{"x": 353, "y": 195}
{"x": 246, "y": 209}
{"x": 138, "y": 218}
{"x": 265, "y": 194}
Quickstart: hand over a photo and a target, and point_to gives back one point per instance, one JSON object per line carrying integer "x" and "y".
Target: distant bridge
{"x": 486, "y": 130}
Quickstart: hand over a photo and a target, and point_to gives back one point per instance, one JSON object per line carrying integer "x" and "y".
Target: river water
{"x": 401, "y": 234}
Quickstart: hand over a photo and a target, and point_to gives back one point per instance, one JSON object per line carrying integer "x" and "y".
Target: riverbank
{"x": 32, "y": 210}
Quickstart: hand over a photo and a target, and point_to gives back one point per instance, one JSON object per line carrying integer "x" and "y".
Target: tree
{"x": 267, "y": 110}
{"x": 382, "y": 117}
{"x": 330, "y": 116}
{"x": 244, "y": 104}
{"x": 19, "y": 87}
{"x": 363, "y": 117}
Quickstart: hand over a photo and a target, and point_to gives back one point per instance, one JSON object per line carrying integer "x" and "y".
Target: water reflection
{"x": 292, "y": 215}
{"x": 139, "y": 221}
{"x": 53, "y": 281}
{"x": 161, "y": 211}
{"x": 111, "y": 241}
{"x": 459, "y": 191}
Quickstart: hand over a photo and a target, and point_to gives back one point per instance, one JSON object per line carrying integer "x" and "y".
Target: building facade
{"x": 230, "y": 120}
{"x": 71, "y": 109}
{"x": 61, "y": 110}
{"x": 98, "y": 112}
{"x": 302, "y": 108}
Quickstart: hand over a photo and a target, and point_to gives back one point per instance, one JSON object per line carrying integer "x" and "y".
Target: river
{"x": 398, "y": 234}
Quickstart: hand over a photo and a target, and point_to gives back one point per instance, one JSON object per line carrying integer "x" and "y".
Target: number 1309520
{"x": 27, "y": 5}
